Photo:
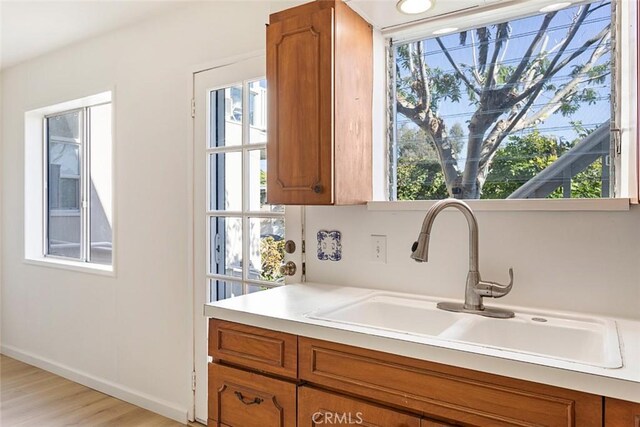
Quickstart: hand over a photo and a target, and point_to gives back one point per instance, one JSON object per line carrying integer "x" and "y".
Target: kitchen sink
{"x": 575, "y": 339}
{"x": 391, "y": 313}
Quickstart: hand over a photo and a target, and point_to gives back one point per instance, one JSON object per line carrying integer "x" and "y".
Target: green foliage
{"x": 272, "y": 255}
{"x": 523, "y": 157}
{"x": 420, "y": 180}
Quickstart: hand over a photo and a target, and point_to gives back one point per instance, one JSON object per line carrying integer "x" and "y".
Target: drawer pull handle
{"x": 244, "y": 400}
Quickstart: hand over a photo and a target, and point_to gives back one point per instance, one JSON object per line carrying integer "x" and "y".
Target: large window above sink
{"x": 517, "y": 108}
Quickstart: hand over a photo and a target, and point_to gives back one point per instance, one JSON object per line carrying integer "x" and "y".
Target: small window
{"x": 523, "y": 108}
{"x": 78, "y": 212}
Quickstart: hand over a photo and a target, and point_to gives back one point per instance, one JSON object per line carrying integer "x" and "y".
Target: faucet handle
{"x": 495, "y": 289}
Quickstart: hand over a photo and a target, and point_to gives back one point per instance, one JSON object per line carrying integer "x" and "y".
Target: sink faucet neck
{"x": 435, "y": 210}
{"x": 475, "y": 289}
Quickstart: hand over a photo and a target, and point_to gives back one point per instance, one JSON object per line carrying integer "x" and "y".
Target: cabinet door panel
{"x": 440, "y": 391}
{"x": 316, "y": 408}
{"x": 619, "y": 413}
{"x": 299, "y": 78}
{"x": 243, "y": 399}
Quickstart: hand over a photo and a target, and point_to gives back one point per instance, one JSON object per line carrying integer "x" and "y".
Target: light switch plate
{"x": 379, "y": 248}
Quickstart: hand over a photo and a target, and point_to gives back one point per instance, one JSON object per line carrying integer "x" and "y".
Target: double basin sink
{"x": 572, "y": 339}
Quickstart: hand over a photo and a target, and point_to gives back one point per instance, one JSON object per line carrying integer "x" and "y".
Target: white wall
{"x": 131, "y": 332}
{"x": 576, "y": 261}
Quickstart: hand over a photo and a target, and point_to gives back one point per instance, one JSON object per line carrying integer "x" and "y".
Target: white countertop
{"x": 284, "y": 308}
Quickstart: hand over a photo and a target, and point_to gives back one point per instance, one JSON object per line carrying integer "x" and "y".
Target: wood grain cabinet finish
{"x": 319, "y": 75}
{"x": 467, "y": 397}
{"x": 318, "y": 408}
{"x": 619, "y": 413}
{"x": 256, "y": 348}
{"x": 239, "y": 398}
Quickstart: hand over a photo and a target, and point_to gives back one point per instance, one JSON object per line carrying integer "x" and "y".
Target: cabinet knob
{"x": 317, "y": 188}
{"x": 288, "y": 269}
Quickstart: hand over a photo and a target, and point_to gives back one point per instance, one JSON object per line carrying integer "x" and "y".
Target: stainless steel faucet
{"x": 476, "y": 288}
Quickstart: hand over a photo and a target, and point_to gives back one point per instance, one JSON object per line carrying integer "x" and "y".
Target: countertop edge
{"x": 580, "y": 381}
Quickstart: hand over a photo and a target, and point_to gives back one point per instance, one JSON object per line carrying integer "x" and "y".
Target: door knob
{"x": 288, "y": 269}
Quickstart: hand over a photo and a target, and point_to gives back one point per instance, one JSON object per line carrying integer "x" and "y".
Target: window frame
{"x": 245, "y": 214}
{"x": 35, "y": 231}
{"x": 626, "y": 56}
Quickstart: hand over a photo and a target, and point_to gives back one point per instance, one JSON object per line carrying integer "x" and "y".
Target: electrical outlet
{"x": 379, "y": 248}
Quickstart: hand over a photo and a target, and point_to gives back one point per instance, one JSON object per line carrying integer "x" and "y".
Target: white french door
{"x": 238, "y": 237}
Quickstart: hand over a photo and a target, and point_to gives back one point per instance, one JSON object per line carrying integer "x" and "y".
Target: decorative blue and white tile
{"x": 329, "y": 245}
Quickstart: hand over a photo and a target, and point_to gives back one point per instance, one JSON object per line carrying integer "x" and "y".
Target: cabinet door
{"x": 244, "y": 399}
{"x": 300, "y": 136}
{"x": 619, "y": 413}
{"x": 316, "y": 408}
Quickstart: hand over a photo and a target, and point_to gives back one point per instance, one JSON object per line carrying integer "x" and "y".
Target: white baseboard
{"x": 121, "y": 392}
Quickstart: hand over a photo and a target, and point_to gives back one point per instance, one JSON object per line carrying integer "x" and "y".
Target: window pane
{"x": 100, "y": 207}
{"x": 226, "y": 117}
{"x": 225, "y": 171}
{"x": 225, "y": 246}
{"x": 258, "y": 183}
{"x": 476, "y": 119}
{"x": 266, "y": 248}
{"x": 258, "y": 112}
{"x": 64, "y": 222}
{"x": 223, "y": 289}
{"x": 65, "y": 126}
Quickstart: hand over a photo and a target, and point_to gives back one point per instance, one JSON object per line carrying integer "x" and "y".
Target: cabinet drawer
{"x": 244, "y": 399}
{"x": 468, "y": 397}
{"x": 256, "y": 348}
{"x": 317, "y": 407}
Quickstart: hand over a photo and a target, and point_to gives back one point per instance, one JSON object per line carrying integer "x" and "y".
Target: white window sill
{"x": 548, "y": 205}
{"x": 64, "y": 264}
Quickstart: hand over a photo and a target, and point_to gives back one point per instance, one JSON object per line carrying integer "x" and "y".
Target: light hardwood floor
{"x": 30, "y": 396}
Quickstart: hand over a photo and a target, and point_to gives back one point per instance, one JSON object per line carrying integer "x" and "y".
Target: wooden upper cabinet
{"x": 319, "y": 77}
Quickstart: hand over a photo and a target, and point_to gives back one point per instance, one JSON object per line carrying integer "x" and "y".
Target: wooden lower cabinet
{"x": 321, "y": 408}
{"x": 460, "y": 396}
{"x": 263, "y": 378}
{"x": 618, "y": 413}
{"x": 238, "y": 398}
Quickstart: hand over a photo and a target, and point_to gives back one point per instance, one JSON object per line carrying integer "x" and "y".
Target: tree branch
{"x": 551, "y": 107}
{"x": 502, "y": 34}
{"x": 552, "y": 70}
{"x": 534, "y": 43}
{"x": 459, "y": 72}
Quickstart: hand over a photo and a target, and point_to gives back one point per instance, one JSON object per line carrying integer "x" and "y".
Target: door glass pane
{"x": 64, "y": 222}
{"x": 226, "y": 246}
{"x": 258, "y": 183}
{"x": 256, "y": 288}
{"x": 101, "y": 214}
{"x": 266, "y": 248}
{"x": 223, "y": 289}
{"x": 225, "y": 171}
{"x": 225, "y": 108}
{"x": 258, "y": 112}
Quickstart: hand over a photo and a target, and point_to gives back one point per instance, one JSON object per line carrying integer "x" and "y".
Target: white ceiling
{"x": 383, "y": 14}
{"x": 31, "y": 28}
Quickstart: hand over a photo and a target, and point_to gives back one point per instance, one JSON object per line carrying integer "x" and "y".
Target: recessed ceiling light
{"x": 555, "y": 6}
{"x": 445, "y": 30}
{"x": 412, "y": 7}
